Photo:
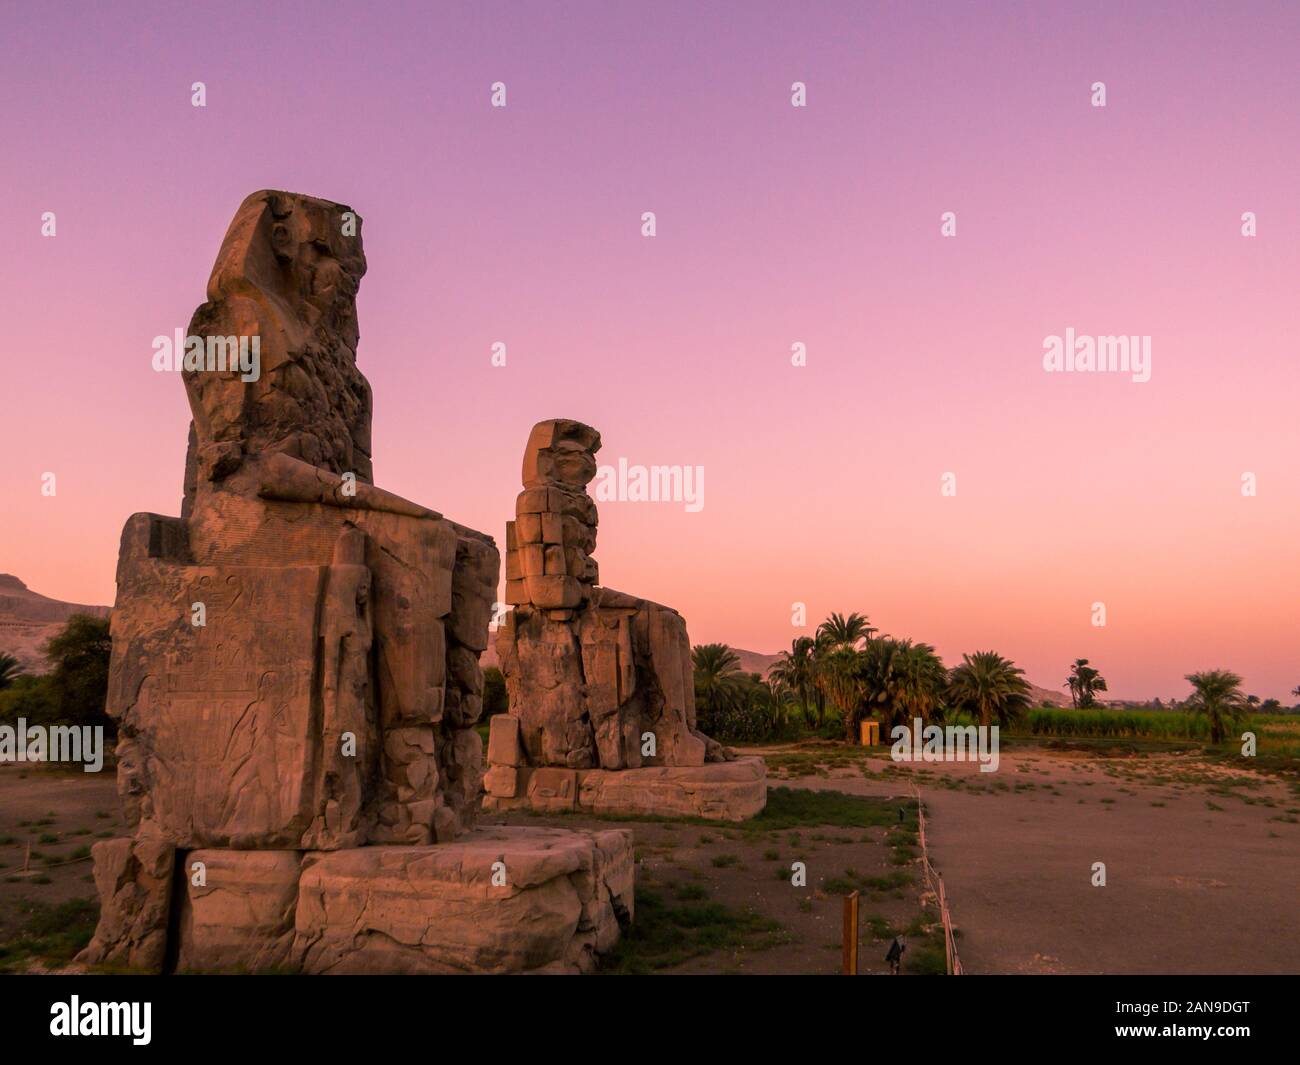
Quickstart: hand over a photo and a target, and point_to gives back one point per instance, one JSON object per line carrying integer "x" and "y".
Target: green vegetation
{"x": 51, "y": 934}
{"x": 74, "y": 691}
{"x": 845, "y": 674}
{"x": 825, "y": 685}
{"x": 1278, "y": 735}
{"x": 926, "y": 956}
{"x": 1084, "y": 682}
{"x": 1155, "y": 724}
{"x": 789, "y": 808}
{"x": 1217, "y": 695}
{"x": 495, "y": 700}
{"x": 876, "y": 885}
{"x": 9, "y": 670}
{"x": 665, "y": 935}
{"x": 798, "y": 807}
{"x": 990, "y": 687}
{"x": 731, "y": 705}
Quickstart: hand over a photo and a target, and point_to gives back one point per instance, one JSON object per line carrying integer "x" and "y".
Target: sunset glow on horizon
{"x": 776, "y": 226}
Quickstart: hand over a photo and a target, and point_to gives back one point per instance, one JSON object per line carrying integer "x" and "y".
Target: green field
{"x": 1276, "y": 734}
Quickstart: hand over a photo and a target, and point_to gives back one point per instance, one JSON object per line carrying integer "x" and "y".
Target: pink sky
{"x": 775, "y": 225}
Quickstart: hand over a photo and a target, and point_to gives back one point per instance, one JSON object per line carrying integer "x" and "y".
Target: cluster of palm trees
{"x": 1084, "y": 682}
{"x": 850, "y": 668}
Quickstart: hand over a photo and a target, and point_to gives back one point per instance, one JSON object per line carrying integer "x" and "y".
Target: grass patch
{"x": 52, "y": 934}
{"x": 789, "y": 808}
{"x": 665, "y": 935}
{"x": 852, "y": 880}
{"x": 926, "y": 956}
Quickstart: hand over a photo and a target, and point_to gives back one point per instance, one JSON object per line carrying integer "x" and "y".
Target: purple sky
{"x": 775, "y": 225}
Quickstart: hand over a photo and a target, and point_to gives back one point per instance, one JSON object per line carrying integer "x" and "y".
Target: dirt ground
{"x": 1202, "y": 865}
{"x": 1202, "y": 862}
{"x": 59, "y": 813}
{"x": 750, "y": 871}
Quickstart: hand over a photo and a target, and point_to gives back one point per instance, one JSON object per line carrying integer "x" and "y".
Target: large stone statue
{"x": 295, "y": 674}
{"x": 601, "y": 685}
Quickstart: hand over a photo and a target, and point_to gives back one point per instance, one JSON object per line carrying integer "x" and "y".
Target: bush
{"x": 747, "y": 713}
{"x": 75, "y": 691}
{"x": 495, "y": 700}
{"x": 30, "y": 698}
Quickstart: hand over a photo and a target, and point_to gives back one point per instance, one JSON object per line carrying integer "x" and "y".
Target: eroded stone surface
{"x": 237, "y": 911}
{"x": 718, "y": 791}
{"x": 134, "y": 881}
{"x": 560, "y": 900}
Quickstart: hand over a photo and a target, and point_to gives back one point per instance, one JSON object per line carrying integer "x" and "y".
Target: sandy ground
{"x": 1200, "y": 877}
{"x": 60, "y": 813}
{"x": 809, "y": 941}
{"x": 1202, "y": 863}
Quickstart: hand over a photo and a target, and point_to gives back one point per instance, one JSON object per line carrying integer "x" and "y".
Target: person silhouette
{"x": 895, "y": 956}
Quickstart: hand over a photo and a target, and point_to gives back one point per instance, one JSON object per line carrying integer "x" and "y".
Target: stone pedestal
{"x": 717, "y": 791}
{"x": 499, "y": 900}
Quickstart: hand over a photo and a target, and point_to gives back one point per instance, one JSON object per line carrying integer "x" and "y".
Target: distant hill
{"x": 1046, "y": 697}
{"x": 755, "y": 661}
{"x": 28, "y": 619}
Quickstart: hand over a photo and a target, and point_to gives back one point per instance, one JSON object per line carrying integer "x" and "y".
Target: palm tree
{"x": 840, "y": 631}
{"x": 839, "y": 677}
{"x": 717, "y": 677}
{"x": 880, "y": 684}
{"x": 776, "y": 696}
{"x": 1296, "y": 691}
{"x": 797, "y": 672}
{"x": 1217, "y": 694}
{"x": 989, "y": 686}
{"x": 923, "y": 680}
{"x": 1084, "y": 682}
{"x": 9, "y": 670}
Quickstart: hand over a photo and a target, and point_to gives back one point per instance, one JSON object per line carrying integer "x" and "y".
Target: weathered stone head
{"x": 285, "y": 283}
{"x": 549, "y": 544}
{"x": 561, "y": 453}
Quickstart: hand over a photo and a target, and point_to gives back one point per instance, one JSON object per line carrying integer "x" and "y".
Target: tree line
{"x": 848, "y": 672}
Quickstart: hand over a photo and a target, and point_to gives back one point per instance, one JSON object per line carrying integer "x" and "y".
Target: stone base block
{"x": 134, "y": 878}
{"x": 718, "y": 791}
{"x": 237, "y": 914}
{"x": 500, "y": 900}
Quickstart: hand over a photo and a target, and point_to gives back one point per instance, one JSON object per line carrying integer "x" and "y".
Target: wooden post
{"x": 851, "y": 934}
{"x": 947, "y": 927}
{"x": 27, "y": 858}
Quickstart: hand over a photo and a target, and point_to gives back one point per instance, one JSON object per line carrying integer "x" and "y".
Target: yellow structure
{"x": 870, "y": 733}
